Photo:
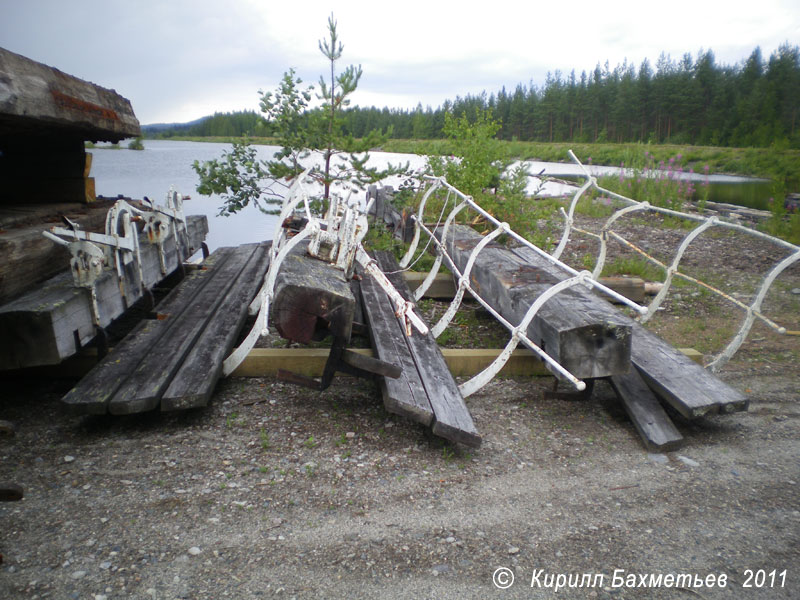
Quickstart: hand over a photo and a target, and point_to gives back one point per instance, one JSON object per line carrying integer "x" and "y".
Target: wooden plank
{"x": 194, "y": 382}
{"x": 311, "y": 299}
{"x": 586, "y": 343}
{"x": 451, "y": 416}
{"x": 53, "y": 322}
{"x": 656, "y": 429}
{"x": 685, "y": 385}
{"x": 143, "y": 389}
{"x": 405, "y": 395}
{"x": 689, "y": 388}
{"x": 265, "y": 362}
{"x": 93, "y": 392}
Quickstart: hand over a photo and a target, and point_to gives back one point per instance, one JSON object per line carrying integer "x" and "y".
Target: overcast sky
{"x": 177, "y": 60}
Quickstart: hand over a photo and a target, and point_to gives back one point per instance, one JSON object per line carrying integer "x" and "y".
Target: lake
{"x": 165, "y": 163}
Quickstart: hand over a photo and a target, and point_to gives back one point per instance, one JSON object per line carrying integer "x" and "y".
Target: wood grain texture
{"x": 452, "y": 419}
{"x": 405, "y": 395}
{"x": 194, "y": 382}
{"x": 312, "y": 298}
{"x": 95, "y": 390}
{"x": 587, "y": 343}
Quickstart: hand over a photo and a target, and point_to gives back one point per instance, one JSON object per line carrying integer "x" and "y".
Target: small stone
{"x": 78, "y": 574}
{"x": 661, "y": 459}
{"x": 439, "y": 569}
{"x": 194, "y": 551}
{"x": 450, "y": 540}
{"x": 513, "y": 550}
{"x": 350, "y": 435}
{"x": 68, "y": 458}
{"x": 105, "y": 565}
{"x": 796, "y": 291}
{"x": 100, "y": 597}
{"x": 688, "y": 461}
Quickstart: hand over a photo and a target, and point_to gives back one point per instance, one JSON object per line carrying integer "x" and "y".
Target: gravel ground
{"x": 277, "y": 491}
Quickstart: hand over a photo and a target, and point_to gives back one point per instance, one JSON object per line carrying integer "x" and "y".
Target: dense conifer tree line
{"x": 685, "y": 101}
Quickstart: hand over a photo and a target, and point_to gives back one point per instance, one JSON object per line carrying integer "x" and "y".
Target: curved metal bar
{"x": 261, "y": 325}
{"x": 420, "y": 291}
{"x": 463, "y": 281}
{"x": 421, "y": 211}
{"x": 601, "y": 256}
{"x": 736, "y": 342}
{"x": 518, "y": 334}
{"x": 653, "y": 307}
{"x": 568, "y": 217}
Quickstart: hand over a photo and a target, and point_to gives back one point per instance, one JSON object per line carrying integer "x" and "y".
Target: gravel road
{"x": 276, "y": 491}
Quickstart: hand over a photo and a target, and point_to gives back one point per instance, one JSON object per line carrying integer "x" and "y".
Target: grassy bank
{"x": 782, "y": 166}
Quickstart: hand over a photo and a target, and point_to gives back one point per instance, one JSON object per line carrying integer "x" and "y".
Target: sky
{"x": 179, "y": 60}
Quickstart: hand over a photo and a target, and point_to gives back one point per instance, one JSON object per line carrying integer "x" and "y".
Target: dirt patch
{"x": 276, "y": 491}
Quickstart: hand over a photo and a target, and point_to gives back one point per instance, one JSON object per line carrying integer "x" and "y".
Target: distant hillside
{"x": 230, "y": 124}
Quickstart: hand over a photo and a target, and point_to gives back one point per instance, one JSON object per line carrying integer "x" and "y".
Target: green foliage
{"x": 481, "y": 158}
{"x": 136, "y": 144}
{"x": 634, "y": 267}
{"x": 241, "y": 178}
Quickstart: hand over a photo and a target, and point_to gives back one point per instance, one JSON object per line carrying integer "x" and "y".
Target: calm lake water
{"x": 166, "y": 163}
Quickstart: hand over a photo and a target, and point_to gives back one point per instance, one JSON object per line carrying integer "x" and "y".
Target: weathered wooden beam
{"x": 29, "y": 258}
{"x": 39, "y": 100}
{"x": 587, "y": 343}
{"x": 312, "y": 298}
{"x": 405, "y": 395}
{"x": 656, "y": 429}
{"x": 54, "y": 321}
{"x": 676, "y": 378}
{"x": 452, "y": 420}
{"x": 444, "y": 287}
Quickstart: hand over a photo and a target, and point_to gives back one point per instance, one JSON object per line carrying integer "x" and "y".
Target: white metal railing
{"x": 438, "y": 237}
{"x": 753, "y": 310}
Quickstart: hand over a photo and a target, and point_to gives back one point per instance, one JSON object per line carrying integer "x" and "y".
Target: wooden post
{"x": 312, "y": 299}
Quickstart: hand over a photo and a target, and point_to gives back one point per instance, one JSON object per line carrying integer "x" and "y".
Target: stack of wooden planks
{"x": 174, "y": 360}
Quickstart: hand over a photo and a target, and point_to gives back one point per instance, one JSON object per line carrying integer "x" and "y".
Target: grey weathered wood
{"x": 143, "y": 389}
{"x": 94, "y": 391}
{"x": 686, "y": 386}
{"x": 52, "y": 322}
{"x": 404, "y": 395}
{"x": 312, "y": 298}
{"x": 370, "y": 364}
{"x": 37, "y": 97}
{"x": 452, "y": 420}
{"x": 193, "y": 384}
{"x": 27, "y": 258}
{"x": 656, "y": 429}
{"x": 383, "y": 211}
{"x": 692, "y": 390}
{"x": 585, "y": 342}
